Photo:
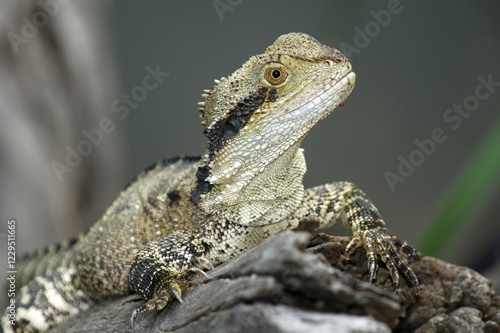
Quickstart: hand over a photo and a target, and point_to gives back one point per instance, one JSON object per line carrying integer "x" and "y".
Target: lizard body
{"x": 184, "y": 215}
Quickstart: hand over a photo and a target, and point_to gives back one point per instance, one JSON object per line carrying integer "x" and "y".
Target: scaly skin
{"x": 184, "y": 215}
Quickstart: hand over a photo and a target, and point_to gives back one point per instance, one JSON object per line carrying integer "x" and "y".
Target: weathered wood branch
{"x": 291, "y": 283}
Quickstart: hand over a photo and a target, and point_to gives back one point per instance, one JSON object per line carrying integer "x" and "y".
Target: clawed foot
{"x": 163, "y": 293}
{"x": 377, "y": 242}
{"x": 167, "y": 283}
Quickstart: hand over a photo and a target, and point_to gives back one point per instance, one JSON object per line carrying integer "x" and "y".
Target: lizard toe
{"x": 203, "y": 263}
{"x": 379, "y": 244}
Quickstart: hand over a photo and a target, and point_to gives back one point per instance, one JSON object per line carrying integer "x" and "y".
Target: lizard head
{"x": 263, "y": 111}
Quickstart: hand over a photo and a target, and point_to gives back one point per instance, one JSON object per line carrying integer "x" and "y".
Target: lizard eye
{"x": 276, "y": 75}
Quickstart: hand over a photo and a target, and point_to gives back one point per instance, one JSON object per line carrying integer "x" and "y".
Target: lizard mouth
{"x": 322, "y": 104}
{"x": 348, "y": 81}
{"x": 351, "y": 78}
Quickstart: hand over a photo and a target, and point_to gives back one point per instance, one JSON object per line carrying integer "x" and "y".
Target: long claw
{"x": 135, "y": 314}
{"x": 373, "y": 267}
{"x": 147, "y": 307}
{"x": 176, "y": 291}
{"x": 199, "y": 271}
{"x": 205, "y": 264}
{"x": 377, "y": 242}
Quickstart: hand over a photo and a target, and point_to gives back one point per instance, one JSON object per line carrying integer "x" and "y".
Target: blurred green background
{"x": 412, "y": 67}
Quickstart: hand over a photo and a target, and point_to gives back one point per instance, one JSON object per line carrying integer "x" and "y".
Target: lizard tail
{"x": 46, "y": 301}
{"x": 43, "y": 261}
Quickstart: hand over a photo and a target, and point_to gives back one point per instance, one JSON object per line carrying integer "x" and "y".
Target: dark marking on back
{"x": 173, "y": 197}
{"x": 202, "y": 184}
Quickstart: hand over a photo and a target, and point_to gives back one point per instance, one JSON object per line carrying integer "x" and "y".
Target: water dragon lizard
{"x": 183, "y": 215}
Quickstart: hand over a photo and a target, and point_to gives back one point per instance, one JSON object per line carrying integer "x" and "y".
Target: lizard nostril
{"x": 339, "y": 57}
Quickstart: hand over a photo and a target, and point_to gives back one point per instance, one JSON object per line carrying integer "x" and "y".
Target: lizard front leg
{"x": 165, "y": 268}
{"x": 344, "y": 201}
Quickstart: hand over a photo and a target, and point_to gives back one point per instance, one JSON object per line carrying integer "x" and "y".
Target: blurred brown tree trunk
{"x": 57, "y": 79}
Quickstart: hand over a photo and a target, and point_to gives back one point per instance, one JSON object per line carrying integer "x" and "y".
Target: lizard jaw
{"x": 333, "y": 96}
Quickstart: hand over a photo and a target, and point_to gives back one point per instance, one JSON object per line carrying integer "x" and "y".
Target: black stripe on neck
{"x": 223, "y": 130}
